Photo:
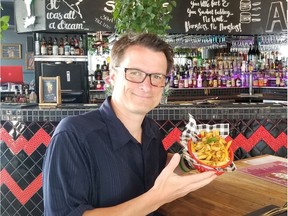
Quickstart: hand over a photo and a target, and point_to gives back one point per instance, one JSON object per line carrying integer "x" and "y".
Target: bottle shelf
{"x": 66, "y": 58}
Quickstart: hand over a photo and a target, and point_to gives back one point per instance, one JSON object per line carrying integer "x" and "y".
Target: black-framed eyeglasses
{"x": 137, "y": 76}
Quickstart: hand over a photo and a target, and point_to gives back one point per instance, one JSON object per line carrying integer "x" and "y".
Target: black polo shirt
{"x": 93, "y": 161}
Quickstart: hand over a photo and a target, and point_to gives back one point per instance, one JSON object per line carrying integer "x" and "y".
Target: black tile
{"x": 37, "y": 169}
{"x": 36, "y": 211}
{"x": 24, "y": 211}
{"x": 282, "y": 152}
{"x": 10, "y": 197}
{"x": 28, "y": 162}
{"x": 27, "y": 133}
{"x": 36, "y": 155}
{"x": 29, "y": 177}
{"x": 9, "y": 168}
{"x": 4, "y": 190}
{"x": 7, "y": 125}
{"x": 30, "y": 205}
{"x": 261, "y": 148}
{"x": 10, "y": 211}
{"x": 38, "y": 197}
{"x": 22, "y": 156}
{"x": 4, "y": 203}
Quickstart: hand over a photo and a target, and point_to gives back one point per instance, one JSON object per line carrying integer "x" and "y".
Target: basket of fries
{"x": 207, "y": 147}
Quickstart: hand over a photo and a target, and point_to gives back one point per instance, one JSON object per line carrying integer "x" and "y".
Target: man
{"x": 111, "y": 161}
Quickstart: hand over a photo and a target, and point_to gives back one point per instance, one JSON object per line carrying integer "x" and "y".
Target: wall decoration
{"x": 29, "y": 58}
{"x": 49, "y": 91}
{"x": 11, "y": 51}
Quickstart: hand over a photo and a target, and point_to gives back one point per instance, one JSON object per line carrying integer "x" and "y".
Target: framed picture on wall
{"x": 11, "y": 51}
{"x": 49, "y": 91}
{"x": 29, "y": 60}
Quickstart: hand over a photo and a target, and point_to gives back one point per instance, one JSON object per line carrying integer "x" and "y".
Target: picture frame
{"x": 29, "y": 60}
{"x": 49, "y": 91}
{"x": 11, "y": 51}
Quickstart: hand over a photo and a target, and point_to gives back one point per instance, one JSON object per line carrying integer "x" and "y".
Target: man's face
{"x": 138, "y": 98}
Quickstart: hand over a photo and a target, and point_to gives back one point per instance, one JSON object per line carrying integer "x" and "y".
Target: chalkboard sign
{"x": 232, "y": 17}
{"x": 229, "y": 17}
{"x": 79, "y": 15}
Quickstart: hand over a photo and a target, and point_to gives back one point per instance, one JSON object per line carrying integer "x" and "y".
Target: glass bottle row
{"x": 185, "y": 76}
{"x": 66, "y": 45}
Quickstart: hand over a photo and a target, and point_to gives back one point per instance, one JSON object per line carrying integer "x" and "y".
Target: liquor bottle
{"x": 210, "y": 78}
{"x": 250, "y": 53}
{"x": 66, "y": 46}
{"x": 219, "y": 80}
{"x": 104, "y": 70}
{"x": 199, "y": 60}
{"x": 76, "y": 46}
{"x": 199, "y": 81}
{"x": 215, "y": 80}
{"x": 194, "y": 79}
{"x": 81, "y": 45}
{"x": 243, "y": 79}
{"x": 98, "y": 85}
{"x": 238, "y": 81}
{"x": 43, "y": 46}
{"x": 181, "y": 82}
{"x": 258, "y": 57}
{"x": 205, "y": 81}
{"x": 37, "y": 44}
{"x": 175, "y": 80}
{"x": 276, "y": 62}
{"x": 253, "y": 57}
{"x": 27, "y": 95}
{"x": 72, "y": 46}
{"x": 224, "y": 79}
{"x": 190, "y": 78}
{"x": 278, "y": 80}
{"x": 186, "y": 81}
{"x": 98, "y": 73}
{"x": 61, "y": 47}
{"x": 49, "y": 46}
{"x": 33, "y": 97}
{"x": 171, "y": 81}
{"x": 228, "y": 80}
{"x": 55, "y": 48}
{"x": 190, "y": 82}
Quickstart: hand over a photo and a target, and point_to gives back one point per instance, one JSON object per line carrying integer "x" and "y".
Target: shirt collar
{"x": 119, "y": 135}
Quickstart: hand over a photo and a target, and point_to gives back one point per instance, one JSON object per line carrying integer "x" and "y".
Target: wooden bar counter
{"x": 234, "y": 193}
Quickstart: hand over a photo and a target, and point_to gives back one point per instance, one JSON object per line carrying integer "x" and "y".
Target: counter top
{"x": 170, "y": 111}
{"x": 236, "y": 193}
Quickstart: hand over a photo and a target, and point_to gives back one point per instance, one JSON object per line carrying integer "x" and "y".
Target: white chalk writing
{"x": 214, "y": 15}
{"x": 64, "y": 20}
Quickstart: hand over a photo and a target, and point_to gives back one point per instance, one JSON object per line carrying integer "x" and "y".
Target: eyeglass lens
{"x": 137, "y": 76}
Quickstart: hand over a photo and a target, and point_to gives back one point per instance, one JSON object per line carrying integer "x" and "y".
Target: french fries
{"x": 211, "y": 149}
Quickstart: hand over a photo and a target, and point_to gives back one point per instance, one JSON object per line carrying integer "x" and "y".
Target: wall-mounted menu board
{"x": 236, "y": 17}
{"x": 189, "y": 16}
{"x": 79, "y": 15}
{"x": 232, "y": 17}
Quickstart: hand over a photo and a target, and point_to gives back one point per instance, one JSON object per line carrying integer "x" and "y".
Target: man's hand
{"x": 170, "y": 186}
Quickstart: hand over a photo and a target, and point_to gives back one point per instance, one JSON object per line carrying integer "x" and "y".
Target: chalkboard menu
{"x": 79, "y": 15}
{"x": 229, "y": 17}
{"x": 232, "y": 17}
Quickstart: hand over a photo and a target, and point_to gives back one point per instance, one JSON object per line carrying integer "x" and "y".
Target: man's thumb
{"x": 174, "y": 162}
